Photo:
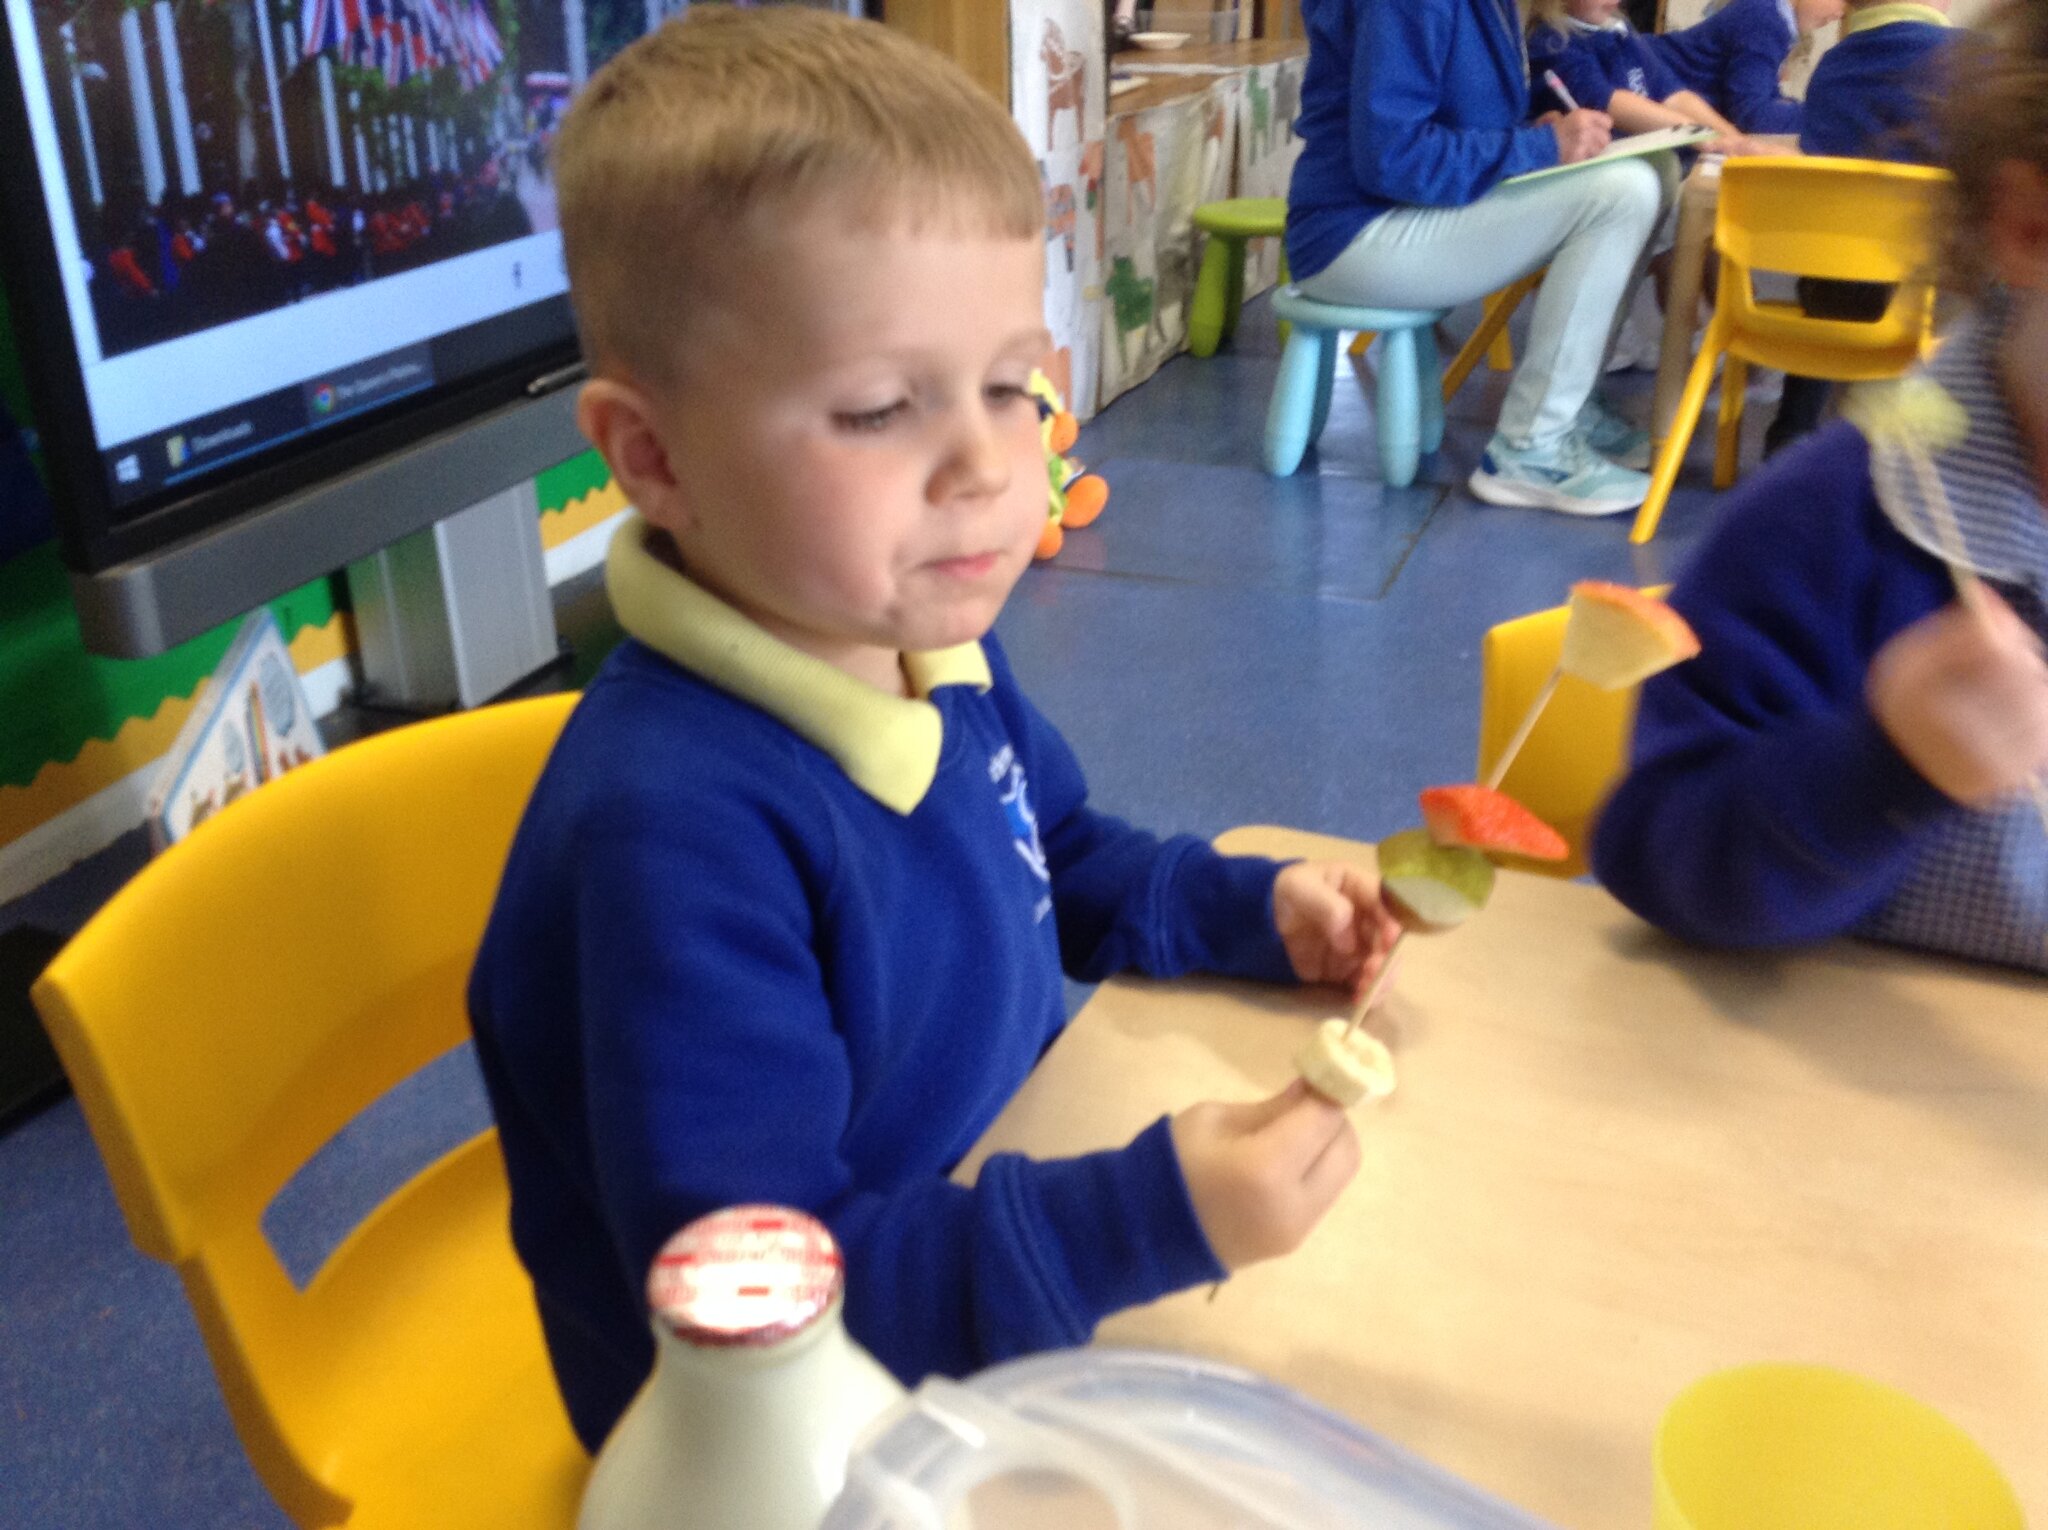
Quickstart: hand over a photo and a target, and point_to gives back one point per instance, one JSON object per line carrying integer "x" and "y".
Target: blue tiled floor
{"x": 1221, "y": 649}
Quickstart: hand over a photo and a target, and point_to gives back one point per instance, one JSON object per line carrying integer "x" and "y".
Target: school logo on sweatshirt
{"x": 1006, "y": 771}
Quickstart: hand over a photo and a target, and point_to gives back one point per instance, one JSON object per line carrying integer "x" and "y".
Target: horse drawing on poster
{"x": 1141, "y": 161}
{"x": 1066, "y": 83}
{"x": 1286, "y": 100}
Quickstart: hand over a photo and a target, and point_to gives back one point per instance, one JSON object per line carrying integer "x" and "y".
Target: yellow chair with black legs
{"x": 1578, "y": 749}
{"x": 1849, "y": 220}
{"x": 237, "y": 1004}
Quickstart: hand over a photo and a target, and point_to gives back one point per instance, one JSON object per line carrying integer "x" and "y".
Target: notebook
{"x": 1624, "y": 148}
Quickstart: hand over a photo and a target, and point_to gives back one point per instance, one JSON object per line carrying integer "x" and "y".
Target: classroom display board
{"x": 1268, "y": 102}
{"x": 1162, "y": 165}
{"x": 1058, "y": 94}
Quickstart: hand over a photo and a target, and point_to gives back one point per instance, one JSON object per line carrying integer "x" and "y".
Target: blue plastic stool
{"x": 1411, "y": 405}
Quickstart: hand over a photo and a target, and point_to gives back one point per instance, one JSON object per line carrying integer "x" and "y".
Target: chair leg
{"x": 1671, "y": 454}
{"x": 1400, "y": 411}
{"x": 1429, "y": 388}
{"x": 1361, "y": 343}
{"x": 1489, "y": 338}
{"x": 1206, "y": 313}
{"x": 1293, "y": 404}
{"x": 1285, "y": 278}
{"x": 1233, "y": 290}
{"x": 1500, "y": 355}
{"x": 1728, "y": 439}
{"x": 1326, "y": 380}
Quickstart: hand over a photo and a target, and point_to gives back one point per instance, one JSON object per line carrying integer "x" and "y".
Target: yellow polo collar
{"x": 887, "y": 745}
{"x": 1884, "y": 15}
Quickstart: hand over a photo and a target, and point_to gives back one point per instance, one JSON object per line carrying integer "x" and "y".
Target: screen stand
{"x": 455, "y": 614}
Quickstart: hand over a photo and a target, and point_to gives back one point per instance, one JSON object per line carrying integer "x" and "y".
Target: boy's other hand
{"x": 1965, "y": 700}
{"x": 1333, "y": 923}
{"x": 1582, "y": 134}
{"x": 1261, "y": 1175}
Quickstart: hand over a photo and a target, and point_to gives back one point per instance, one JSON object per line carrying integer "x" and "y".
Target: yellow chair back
{"x": 242, "y": 999}
{"x": 1838, "y": 219}
{"x": 1577, "y": 751}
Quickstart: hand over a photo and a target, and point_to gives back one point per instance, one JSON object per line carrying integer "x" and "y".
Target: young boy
{"x": 786, "y": 917}
{"x": 1855, "y": 749}
{"x": 1733, "y": 58}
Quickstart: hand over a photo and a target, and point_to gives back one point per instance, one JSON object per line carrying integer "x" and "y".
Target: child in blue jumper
{"x": 1733, "y": 58}
{"x": 1607, "y": 66}
{"x": 787, "y": 915}
{"x": 1853, "y": 749}
{"x": 1872, "y": 96}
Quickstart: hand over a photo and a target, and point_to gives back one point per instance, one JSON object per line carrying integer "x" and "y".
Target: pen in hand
{"x": 1557, "y": 89}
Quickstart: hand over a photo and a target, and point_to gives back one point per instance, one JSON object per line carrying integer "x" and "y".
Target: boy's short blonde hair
{"x": 731, "y": 115}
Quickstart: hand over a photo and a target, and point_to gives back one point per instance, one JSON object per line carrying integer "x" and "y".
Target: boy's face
{"x": 851, "y": 457}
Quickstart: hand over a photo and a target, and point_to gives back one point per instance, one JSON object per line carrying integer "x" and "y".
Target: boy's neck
{"x": 880, "y": 667}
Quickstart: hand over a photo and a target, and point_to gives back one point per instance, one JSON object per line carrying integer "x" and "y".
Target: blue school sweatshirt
{"x": 1594, "y": 63}
{"x": 1872, "y": 94}
{"x": 1765, "y": 805}
{"x": 767, "y": 934}
{"x": 1733, "y": 59}
{"x": 1406, "y": 103}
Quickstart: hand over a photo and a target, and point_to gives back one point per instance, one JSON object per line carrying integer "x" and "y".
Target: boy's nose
{"x": 976, "y": 465}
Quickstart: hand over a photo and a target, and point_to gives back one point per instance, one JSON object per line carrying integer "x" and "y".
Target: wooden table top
{"x": 1165, "y": 86}
{"x": 1615, "y": 1164}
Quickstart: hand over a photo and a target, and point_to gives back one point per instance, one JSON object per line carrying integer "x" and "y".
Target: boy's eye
{"x": 870, "y": 419}
{"x": 1001, "y": 394}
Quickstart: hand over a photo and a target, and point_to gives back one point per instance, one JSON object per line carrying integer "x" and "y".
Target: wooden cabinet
{"x": 973, "y": 33}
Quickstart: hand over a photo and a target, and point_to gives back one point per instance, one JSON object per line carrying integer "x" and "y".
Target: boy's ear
{"x": 2019, "y": 225}
{"x": 623, "y": 425}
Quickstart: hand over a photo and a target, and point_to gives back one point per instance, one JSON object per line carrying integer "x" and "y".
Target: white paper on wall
{"x": 1059, "y": 97}
{"x": 1162, "y": 164}
{"x": 1268, "y": 102}
{"x": 1059, "y": 89}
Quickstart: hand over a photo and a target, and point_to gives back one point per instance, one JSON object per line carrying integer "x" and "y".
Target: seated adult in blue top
{"x": 1605, "y": 64}
{"x": 1871, "y": 97}
{"x": 1733, "y": 58}
{"x": 1412, "y": 115}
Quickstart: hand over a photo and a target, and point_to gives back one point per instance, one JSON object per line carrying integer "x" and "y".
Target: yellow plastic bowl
{"x": 1802, "y": 1447}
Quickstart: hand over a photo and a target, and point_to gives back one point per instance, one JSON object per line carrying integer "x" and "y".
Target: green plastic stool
{"x": 1219, "y": 290}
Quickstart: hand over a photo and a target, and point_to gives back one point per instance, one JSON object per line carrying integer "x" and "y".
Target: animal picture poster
{"x": 1162, "y": 164}
{"x": 1059, "y": 86}
{"x": 1268, "y": 103}
{"x": 1059, "y": 96}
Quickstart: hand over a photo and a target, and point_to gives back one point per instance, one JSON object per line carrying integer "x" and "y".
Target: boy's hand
{"x": 1332, "y": 921}
{"x": 1262, "y": 1175}
{"x": 1965, "y": 699}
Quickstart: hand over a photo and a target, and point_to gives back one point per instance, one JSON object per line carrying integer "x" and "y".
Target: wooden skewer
{"x": 1969, "y": 588}
{"x": 1379, "y": 986}
{"x": 1499, "y": 773}
{"x": 1358, "y": 1014}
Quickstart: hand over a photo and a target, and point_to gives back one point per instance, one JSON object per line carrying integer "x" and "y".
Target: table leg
{"x": 1697, "y": 202}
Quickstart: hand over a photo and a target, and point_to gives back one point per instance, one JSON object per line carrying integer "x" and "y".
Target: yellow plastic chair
{"x": 225, "y": 1015}
{"x": 1841, "y": 219}
{"x": 1579, "y": 747}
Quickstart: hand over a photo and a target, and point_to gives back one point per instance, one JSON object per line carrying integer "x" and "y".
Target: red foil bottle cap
{"x": 746, "y": 1276}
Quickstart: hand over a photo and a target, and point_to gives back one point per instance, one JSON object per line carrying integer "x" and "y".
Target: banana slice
{"x": 1346, "y": 1071}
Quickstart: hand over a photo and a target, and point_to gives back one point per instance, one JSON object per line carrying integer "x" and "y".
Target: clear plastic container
{"x": 1105, "y": 1439}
